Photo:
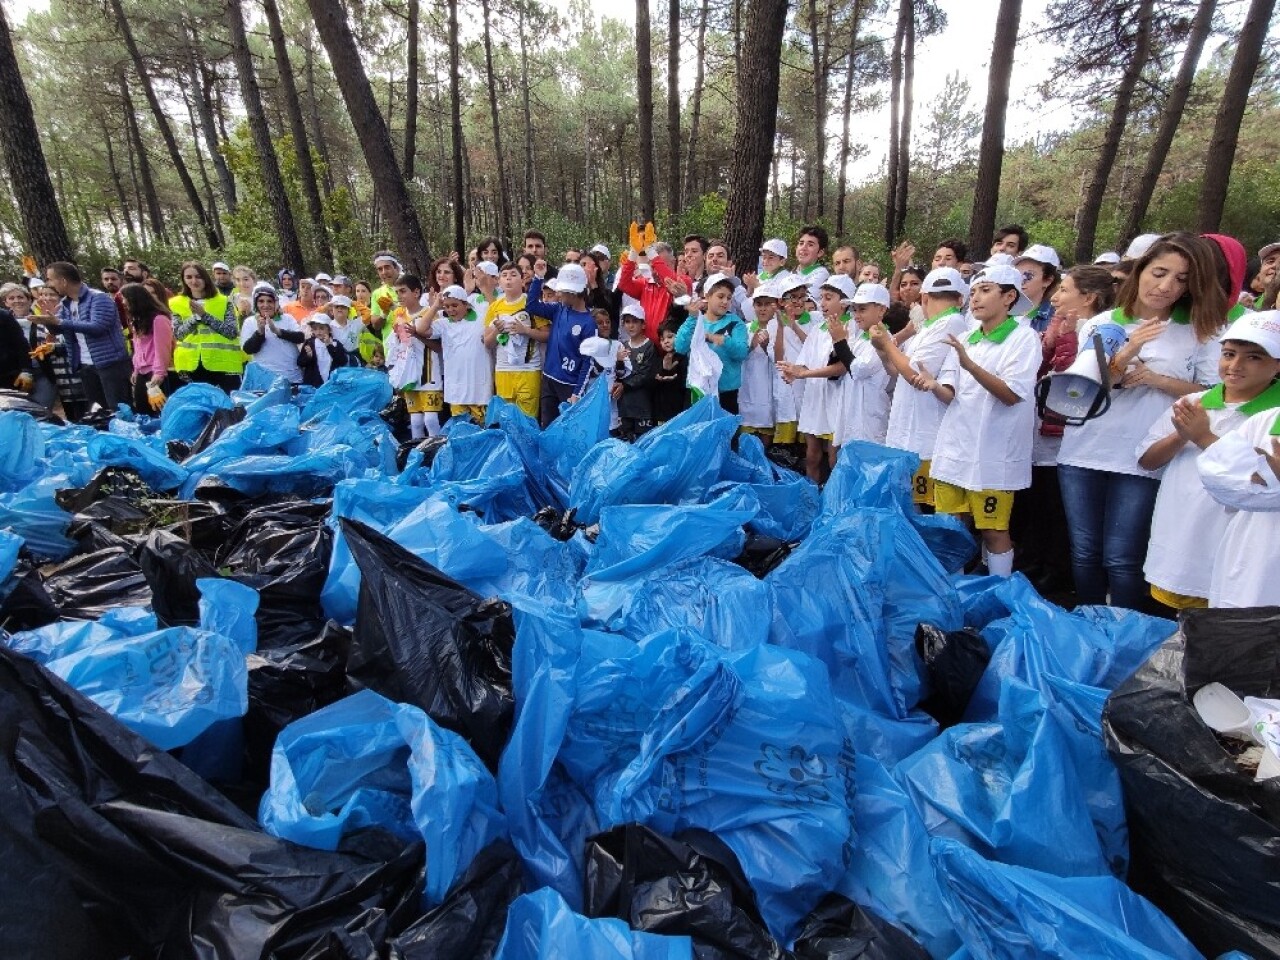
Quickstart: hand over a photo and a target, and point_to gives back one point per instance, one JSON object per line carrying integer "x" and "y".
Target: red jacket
{"x": 652, "y": 293}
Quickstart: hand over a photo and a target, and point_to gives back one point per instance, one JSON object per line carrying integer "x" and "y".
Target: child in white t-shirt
{"x": 794, "y": 323}
{"x": 1187, "y": 520}
{"x": 755, "y": 396}
{"x": 864, "y": 399}
{"x": 468, "y": 367}
{"x": 983, "y": 450}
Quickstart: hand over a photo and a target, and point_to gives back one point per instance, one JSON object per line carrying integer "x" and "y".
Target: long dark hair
{"x": 209, "y": 285}
{"x": 1204, "y": 297}
{"x": 452, "y": 265}
{"x": 143, "y": 307}
{"x": 492, "y": 242}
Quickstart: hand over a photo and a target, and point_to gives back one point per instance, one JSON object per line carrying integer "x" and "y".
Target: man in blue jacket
{"x": 89, "y": 317}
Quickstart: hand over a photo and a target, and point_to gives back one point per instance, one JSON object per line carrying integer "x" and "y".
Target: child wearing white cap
{"x": 824, "y": 375}
{"x": 320, "y": 354}
{"x": 1187, "y": 519}
{"x": 983, "y": 449}
{"x": 794, "y": 324}
{"x": 863, "y": 413}
{"x": 916, "y": 413}
{"x": 468, "y": 368}
{"x": 755, "y": 396}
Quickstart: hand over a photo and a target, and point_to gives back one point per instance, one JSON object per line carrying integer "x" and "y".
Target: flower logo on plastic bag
{"x": 795, "y": 773}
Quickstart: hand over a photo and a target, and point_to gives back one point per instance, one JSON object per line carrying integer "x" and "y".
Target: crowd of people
{"x": 1164, "y": 497}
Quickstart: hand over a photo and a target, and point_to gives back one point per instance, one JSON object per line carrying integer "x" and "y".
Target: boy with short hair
{"x": 864, "y": 400}
{"x": 1187, "y": 519}
{"x": 570, "y": 324}
{"x": 1010, "y": 240}
{"x": 636, "y": 369}
{"x": 755, "y": 397}
{"x": 983, "y": 450}
{"x": 794, "y": 324}
{"x": 811, "y": 247}
{"x": 915, "y": 413}
{"x": 468, "y": 370}
{"x": 517, "y": 341}
{"x": 950, "y": 253}
{"x": 670, "y": 390}
{"x": 414, "y": 364}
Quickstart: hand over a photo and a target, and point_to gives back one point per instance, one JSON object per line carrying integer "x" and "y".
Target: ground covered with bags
{"x": 277, "y": 684}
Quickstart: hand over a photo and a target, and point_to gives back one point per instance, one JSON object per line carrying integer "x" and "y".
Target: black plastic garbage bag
{"x": 469, "y": 923}
{"x": 762, "y": 553}
{"x": 217, "y": 425}
{"x": 17, "y": 400}
{"x": 954, "y": 662}
{"x": 282, "y": 550}
{"x": 424, "y": 639}
{"x": 1204, "y": 837}
{"x": 123, "y": 483}
{"x": 87, "y": 586}
{"x": 28, "y": 605}
{"x": 171, "y": 567}
{"x": 692, "y": 885}
{"x": 162, "y": 864}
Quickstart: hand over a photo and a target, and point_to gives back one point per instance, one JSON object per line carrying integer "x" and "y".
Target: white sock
{"x": 1000, "y": 564}
{"x": 416, "y": 429}
{"x": 432, "y": 421}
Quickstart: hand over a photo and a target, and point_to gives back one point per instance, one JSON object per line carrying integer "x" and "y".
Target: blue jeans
{"x": 1109, "y": 523}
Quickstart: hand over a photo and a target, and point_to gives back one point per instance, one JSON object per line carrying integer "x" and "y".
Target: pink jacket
{"x": 153, "y": 352}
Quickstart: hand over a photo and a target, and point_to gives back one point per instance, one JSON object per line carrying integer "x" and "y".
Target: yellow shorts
{"x": 476, "y": 411}
{"x": 423, "y": 401}
{"x": 990, "y": 508}
{"x": 785, "y": 432}
{"x": 1178, "y": 601}
{"x": 758, "y": 431}
{"x": 922, "y": 485}
{"x": 523, "y": 388}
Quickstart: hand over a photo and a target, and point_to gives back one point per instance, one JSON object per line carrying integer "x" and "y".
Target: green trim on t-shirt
{"x": 1268, "y": 399}
{"x": 999, "y": 335}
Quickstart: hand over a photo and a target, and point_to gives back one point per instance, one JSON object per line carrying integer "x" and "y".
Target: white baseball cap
{"x": 324, "y": 278}
{"x": 487, "y": 267}
{"x": 870, "y": 293}
{"x": 35, "y": 283}
{"x": 789, "y": 281}
{"x": 597, "y": 348}
{"x": 1107, "y": 259}
{"x": 1140, "y": 245}
{"x": 997, "y": 260}
{"x": 844, "y": 286}
{"x": 601, "y": 249}
{"x": 571, "y": 279}
{"x": 342, "y": 279}
{"x": 341, "y": 300}
{"x": 814, "y": 293}
{"x": 221, "y": 266}
{"x": 945, "y": 280}
{"x": 1268, "y": 250}
{"x": 1005, "y": 276}
{"x": 454, "y": 292}
{"x": 1262, "y": 328}
{"x": 632, "y": 310}
{"x": 320, "y": 318}
{"x": 767, "y": 291}
{"x": 775, "y": 246}
{"x": 715, "y": 278}
{"x": 1041, "y": 253}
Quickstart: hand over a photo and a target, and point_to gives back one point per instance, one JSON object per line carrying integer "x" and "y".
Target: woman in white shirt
{"x": 270, "y": 337}
{"x": 1109, "y": 499}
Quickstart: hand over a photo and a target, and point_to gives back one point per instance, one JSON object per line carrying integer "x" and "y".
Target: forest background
{"x": 222, "y": 130}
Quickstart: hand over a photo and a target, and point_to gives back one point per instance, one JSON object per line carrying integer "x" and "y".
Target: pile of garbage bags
{"x": 279, "y": 683}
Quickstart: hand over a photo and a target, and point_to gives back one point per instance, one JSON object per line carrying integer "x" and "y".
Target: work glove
{"x": 43, "y": 350}
{"x": 24, "y": 382}
{"x": 155, "y": 397}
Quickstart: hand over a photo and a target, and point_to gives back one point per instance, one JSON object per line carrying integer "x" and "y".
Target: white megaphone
{"x": 1083, "y": 390}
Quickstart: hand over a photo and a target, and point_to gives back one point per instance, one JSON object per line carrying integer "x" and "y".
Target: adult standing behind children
{"x": 983, "y": 450}
{"x": 1108, "y": 497}
{"x": 91, "y": 317}
{"x": 271, "y": 337}
{"x": 204, "y": 326}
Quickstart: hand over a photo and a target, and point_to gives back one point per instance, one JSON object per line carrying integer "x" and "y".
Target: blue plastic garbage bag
{"x": 541, "y": 926}
{"x": 368, "y": 436}
{"x": 358, "y": 392}
{"x": 891, "y": 871}
{"x": 538, "y": 572}
{"x": 33, "y": 514}
{"x": 256, "y": 378}
{"x": 307, "y": 475}
{"x": 62, "y": 638}
{"x": 1098, "y": 648}
{"x": 675, "y": 733}
{"x": 230, "y": 609}
{"x": 130, "y": 621}
{"x": 266, "y": 431}
{"x": 526, "y": 437}
{"x": 10, "y": 547}
{"x": 888, "y": 739}
{"x": 639, "y": 541}
{"x": 21, "y": 450}
{"x": 789, "y": 502}
{"x": 366, "y": 761}
{"x": 677, "y": 462}
{"x": 168, "y": 686}
{"x": 579, "y": 427}
{"x": 160, "y": 473}
{"x": 1010, "y": 789}
{"x": 1005, "y": 912}
{"x": 188, "y": 411}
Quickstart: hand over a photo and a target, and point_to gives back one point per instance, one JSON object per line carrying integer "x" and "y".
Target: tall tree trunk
{"x": 895, "y": 96}
{"x": 529, "y": 194}
{"x": 44, "y": 232}
{"x": 411, "y": 93}
{"x": 371, "y": 132}
{"x": 1226, "y": 129}
{"x": 644, "y": 83}
{"x": 162, "y": 124}
{"x": 757, "y": 119}
{"x": 503, "y": 197}
{"x": 904, "y": 127}
{"x": 455, "y": 115}
{"x": 847, "y": 116}
{"x": 211, "y": 202}
{"x": 673, "y": 105}
{"x": 1170, "y": 117}
{"x": 116, "y": 181}
{"x": 298, "y": 130}
{"x": 1092, "y": 208}
{"x": 202, "y": 96}
{"x": 138, "y": 149}
{"x": 313, "y": 111}
{"x": 272, "y": 181}
{"x": 816, "y": 161}
{"x": 695, "y": 116}
{"x": 982, "y": 222}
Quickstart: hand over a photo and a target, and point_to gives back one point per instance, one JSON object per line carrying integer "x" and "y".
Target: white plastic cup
{"x": 1223, "y": 712}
